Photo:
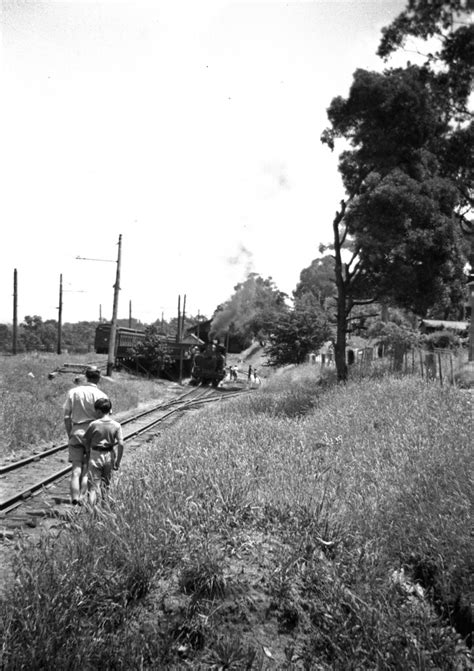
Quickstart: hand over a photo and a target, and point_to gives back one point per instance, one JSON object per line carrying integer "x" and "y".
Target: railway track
{"x": 32, "y": 478}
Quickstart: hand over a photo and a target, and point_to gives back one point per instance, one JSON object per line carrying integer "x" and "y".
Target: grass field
{"x": 307, "y": 526}
{"x": 31, "y": 405}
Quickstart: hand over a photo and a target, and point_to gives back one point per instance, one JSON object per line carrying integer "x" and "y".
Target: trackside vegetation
{"x": 31, "y": 405}
{"x": 305, "y": 526}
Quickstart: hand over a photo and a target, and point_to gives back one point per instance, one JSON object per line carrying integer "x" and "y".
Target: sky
{"x": 189, "y": 127}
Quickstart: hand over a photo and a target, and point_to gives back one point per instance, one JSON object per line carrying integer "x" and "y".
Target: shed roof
{"x": 445, "y": 324}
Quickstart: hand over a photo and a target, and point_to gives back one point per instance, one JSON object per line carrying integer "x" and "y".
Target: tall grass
{"x": 271, "y": 525}
{"x": 31, "y": 404}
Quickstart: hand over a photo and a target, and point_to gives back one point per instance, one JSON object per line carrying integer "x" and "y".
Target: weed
{"x": 229, "y": 652}
{"x": 203, "y": 578}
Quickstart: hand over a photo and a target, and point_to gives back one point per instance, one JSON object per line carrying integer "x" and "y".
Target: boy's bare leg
{"x": 93, "y": 496}
{"x": 84, "y": 480}
{"x": 76, "y": 482}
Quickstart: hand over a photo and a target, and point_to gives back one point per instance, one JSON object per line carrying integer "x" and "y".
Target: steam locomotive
{"x": 209, "y": 365}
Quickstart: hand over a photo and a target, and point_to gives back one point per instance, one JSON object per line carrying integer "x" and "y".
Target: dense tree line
{"x": 34, "y": 334}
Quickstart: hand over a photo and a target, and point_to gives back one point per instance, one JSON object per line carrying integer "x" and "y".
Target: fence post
{"x": 451, "y": 367}
{"x": 412, "y": 361}
{"x": 430, "y": 362}
{"x": 440, "y": 369}
{"x": 421, "y": 363}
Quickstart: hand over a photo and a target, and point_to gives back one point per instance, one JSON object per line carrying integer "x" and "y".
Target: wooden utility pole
{"x": 100, "y": 314}
{"x": 113, "y": 325}
{"x": 129, "y": 314}
{"x": 15, "y": 313}
{"x": 182, "y": 318}
{"x": 60, "y": 314}
{"x": 178, "y": 334}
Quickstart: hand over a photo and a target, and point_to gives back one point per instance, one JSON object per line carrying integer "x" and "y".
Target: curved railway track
{"x": 21, "y": 480}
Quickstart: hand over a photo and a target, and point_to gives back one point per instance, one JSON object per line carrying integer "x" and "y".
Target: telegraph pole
{"x": 113, "y": 326}
{"x": 179, "y": 319}
{"x": 60, "y": 313}
{"x": 130, "y": 314}
{"x": 183, "y": 317}
{"x": 15, "y": 313}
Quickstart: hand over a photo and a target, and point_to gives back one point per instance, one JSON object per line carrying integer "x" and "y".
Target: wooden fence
{"x": 442, "y": 365}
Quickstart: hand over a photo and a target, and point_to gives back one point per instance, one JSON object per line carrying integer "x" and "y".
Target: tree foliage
{"x": 318, "y": 280}
{"x": 300, "y": 331}
{"x": 397, "y": 334}
{"x": 152, "y": 351}
{"x": 409, "y": 250}
{"x": 408, "y": 172}
{"x": 79, "y": 336}
{"x": 34, "y": 334}
{"x": 449, "y": 22}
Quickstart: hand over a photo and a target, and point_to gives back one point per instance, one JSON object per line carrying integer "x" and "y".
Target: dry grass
{"x": 31, "y": 405}
{"x": 255, "y": 536}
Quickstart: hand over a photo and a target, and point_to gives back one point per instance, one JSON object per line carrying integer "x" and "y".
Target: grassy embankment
{"x": 31, "y": 405}
{"x": 265, "y": 534}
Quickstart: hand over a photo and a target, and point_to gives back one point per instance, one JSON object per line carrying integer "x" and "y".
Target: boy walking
{"x": 103, "y": 435}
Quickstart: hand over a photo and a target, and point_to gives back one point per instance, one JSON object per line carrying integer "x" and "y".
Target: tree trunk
{"x": 341, "y": 333}
{"x": 340, "y": 346}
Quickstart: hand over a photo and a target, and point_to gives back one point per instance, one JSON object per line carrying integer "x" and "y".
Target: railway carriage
{"x": 125, "y": 340}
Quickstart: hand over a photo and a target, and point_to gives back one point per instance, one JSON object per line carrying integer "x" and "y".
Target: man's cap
{"x": 92, "y": 370}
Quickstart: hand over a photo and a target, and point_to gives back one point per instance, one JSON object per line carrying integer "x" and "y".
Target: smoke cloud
{"x": 238, "y": 310}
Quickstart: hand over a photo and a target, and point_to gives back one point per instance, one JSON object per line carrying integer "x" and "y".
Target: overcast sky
{"x": 190, "y": 127}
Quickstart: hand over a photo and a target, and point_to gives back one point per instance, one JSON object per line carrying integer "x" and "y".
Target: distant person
{"x": 79, "y": 412}
{"x": 256, "y": 379}
{"x": 100, "y": 440}
{"x": 249, "y": 373}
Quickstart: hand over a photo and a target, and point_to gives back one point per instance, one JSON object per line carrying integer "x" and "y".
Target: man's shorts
{"x": 101, "y": 465}
{"x": 77, "y": 455}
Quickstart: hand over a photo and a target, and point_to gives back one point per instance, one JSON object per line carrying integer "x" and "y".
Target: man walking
{"x": 79, "y": 412}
